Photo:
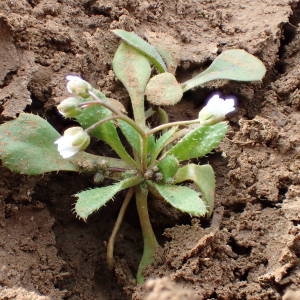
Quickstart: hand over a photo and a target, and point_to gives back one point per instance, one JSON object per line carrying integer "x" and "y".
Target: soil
{"x": 250, "y": 248}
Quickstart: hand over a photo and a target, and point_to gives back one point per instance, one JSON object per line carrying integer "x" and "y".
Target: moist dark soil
{"x": 250, "y": 249}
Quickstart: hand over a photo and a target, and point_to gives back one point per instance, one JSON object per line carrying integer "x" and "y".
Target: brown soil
{"x": 250, "y": 249}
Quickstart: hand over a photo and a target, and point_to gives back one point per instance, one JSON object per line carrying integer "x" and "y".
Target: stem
{"x": 178, "y": 123}
{"x": 115, "y": 111}
{"x": 95, "y": 125}
{"x": 115, "y": 169}
{"x": 144, "y": 153}
{"x": 112, "y": 238}
{"x": 120, "y": 115}
{"x": 203, "y": 77}
{"x": 150, "y": 242}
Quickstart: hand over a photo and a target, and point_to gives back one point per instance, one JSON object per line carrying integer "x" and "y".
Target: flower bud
{"x": 148, "y": 174}
{"x": 158, "y": 177}
{"x": 74, "y": 140}
{"x": 216, "y": 109}
{"x": 78, "y": 86}
{"x": 99, "y": 177}
{"x": 69, "y": 107}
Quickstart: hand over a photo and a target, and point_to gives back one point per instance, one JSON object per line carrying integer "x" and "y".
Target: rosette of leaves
{"x": 158, "y": 159}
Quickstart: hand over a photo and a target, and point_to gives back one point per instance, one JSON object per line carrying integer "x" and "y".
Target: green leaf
{"x": 204, "y": 178}
{"x": 27, "y": 146}
{"x": 107, "y": 131}
{"x": 150, "y": 147}
{"x": 182, "y": 198}
{"x": 168, "y": 166}
{"x": 164, "y": 89}
{"x": 87, "y": 162}
{"x": 139, "y": 44}
{"x": 90, "y": 201}
{"x": 162, "y": 115}
{"x": 234, "y": 64}
{"x": 161, "y": 142}
{"x": 133, "y": 70}
{"x": 199, "y": 142}
{"x": 132, "y": 136}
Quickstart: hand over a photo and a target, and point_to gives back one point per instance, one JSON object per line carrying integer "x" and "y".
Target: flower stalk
{"x": 172, "y": 124}
{"x": 116, "y": 228}
{"x": 121, "y": 116}
{"x": 118, "y": 113}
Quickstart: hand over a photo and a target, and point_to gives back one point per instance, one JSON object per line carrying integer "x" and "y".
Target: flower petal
{"x": 216, "y": 109}
{"x": 74, "y": 140}
{"x": 68, "y": 153}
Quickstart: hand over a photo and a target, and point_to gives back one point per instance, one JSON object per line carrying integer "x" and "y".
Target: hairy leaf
{"x": 150, "y": 147}
{"x": 133, "y": 70}
{"x": 199, "y": 142}
{"x": 234, "y": 64}
{"x": 182, "y": 198}
{"x": 27, "y": 146}
{"x": 141, "y": 45}
{"x": 168, "y": 166}
{"x": 163, "y": 89}
{"x": 111, "y": 167}
{"x": 132, "y": 136}
{"x": 107, "y": 131}
{"x": 161, "y": 142}
{"x": 204, "y": 178}
{"x": 90, "y": 201}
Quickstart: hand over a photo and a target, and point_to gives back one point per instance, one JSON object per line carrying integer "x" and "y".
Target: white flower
{"x": 73, "y": 140}
{"x": 216, "y": 109}
{"x": 78, "y": 86}
{"x": 69, "y": 107}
